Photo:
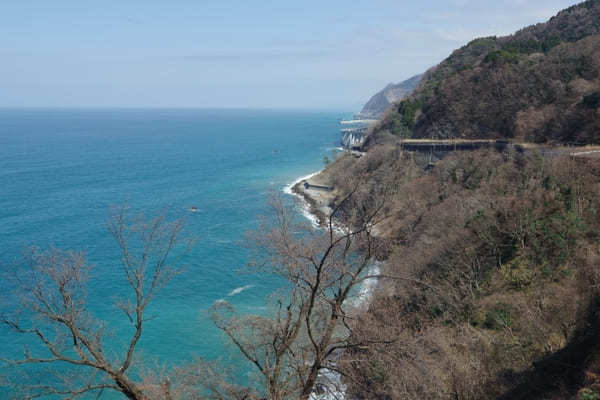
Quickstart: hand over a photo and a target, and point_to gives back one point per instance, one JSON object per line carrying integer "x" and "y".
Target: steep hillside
{"x": 392, "y": 93}
{"x": 492, "y": 256}
{"x": 495, "y": 288}
{"x": 541, "y": 84}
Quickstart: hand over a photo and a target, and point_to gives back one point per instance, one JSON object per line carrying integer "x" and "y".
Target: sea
{"x": 61, "y": 171}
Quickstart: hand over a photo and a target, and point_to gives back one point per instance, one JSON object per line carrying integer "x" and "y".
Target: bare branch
{"x": 52, "y": 287}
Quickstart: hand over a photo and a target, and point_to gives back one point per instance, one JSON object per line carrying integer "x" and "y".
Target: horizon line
{"x": 214, "y": 108}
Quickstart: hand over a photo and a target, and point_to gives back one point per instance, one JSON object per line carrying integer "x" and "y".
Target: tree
{"x": 292, "y": 348}
{"x": 53, "y": 309}
{"x": 322, "y": 269}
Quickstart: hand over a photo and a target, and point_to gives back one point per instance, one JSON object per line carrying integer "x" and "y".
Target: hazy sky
{"x": 274, "y": 54}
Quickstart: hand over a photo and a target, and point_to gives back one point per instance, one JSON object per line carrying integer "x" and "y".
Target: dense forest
{"x": 541, "y": 84}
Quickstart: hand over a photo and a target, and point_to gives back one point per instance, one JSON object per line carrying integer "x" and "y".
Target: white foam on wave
{"x": 305, "y": 206}
{"x": 240, "y": 290}
{"x": 330, "y": 385}
{"x": 312, "y": 218}
{"x": 363, "y": 297}
{"x": 288, "y": 188}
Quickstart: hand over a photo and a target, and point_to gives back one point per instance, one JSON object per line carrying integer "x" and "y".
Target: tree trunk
{"x": 128, "y": 388}
{"x": 310, "y": 384}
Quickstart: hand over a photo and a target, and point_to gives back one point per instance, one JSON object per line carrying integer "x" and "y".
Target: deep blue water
{"x": 61, "y": 170}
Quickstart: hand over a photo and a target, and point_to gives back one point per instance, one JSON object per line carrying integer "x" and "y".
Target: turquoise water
{"x": 61, "y": 170}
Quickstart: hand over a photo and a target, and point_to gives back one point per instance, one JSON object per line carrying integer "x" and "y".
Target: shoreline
{"x": 312, "y": 207}
{"x": 315, "y": 205}
{"x": 306, "y": 207}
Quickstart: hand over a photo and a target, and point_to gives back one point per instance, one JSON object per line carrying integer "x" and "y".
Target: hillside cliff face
{"x": 496, "y": 262}
{"x": 495, "y": 255}
{"x": 541, "y": 84}
{"x": 392, "y": 93}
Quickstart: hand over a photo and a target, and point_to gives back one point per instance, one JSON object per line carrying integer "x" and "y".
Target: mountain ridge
{"x": 541, "y": 84}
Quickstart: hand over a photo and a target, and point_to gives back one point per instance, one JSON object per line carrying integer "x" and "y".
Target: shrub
{"x": 589, "y": 394}
{"x": 498, "y": 318}
{"x": 408, "y": 110}
{"x": 501, "y": 57}
{"x": 518, "y": 273}
{"x": 592, "y": 100}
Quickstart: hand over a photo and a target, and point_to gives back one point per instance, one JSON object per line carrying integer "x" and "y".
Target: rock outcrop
{"x": 392, "y": 93}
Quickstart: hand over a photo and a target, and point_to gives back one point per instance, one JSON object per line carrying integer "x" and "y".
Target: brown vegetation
{"x": 53, "y": 310}
{"x": 492, "y": 290}
{"x": 312, "y": 323}
{"x": 504, "y": 247}
{"x": 290, "y": 346}
{"x": 541, "y": 84}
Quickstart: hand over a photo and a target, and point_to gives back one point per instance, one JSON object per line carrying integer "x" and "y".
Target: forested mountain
{"x": 491, "y": 258}
{"x": 541, "y": 84}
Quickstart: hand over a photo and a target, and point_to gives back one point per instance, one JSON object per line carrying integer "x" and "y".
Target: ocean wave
{"x": 306, "y": 213}
{"x": 288, "y": 188}
{"x": 330, "y": 386}
{"x": 239, "y": 290}
{"x": 305, "y": 206}
{"x": 363, "y": 297}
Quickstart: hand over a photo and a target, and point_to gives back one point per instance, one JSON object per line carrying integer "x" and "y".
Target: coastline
{"x": 315, "y": 205}
{"x": 306, "y": 207}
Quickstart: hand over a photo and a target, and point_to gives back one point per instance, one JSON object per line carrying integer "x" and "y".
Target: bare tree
{"x": 298, "y": 342}
{"x": 53, "y": 310}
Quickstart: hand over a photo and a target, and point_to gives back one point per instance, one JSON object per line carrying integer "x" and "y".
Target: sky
{"x": 291, "y": 54}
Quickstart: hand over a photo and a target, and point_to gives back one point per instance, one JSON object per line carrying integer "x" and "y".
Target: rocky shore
{"x": 319, "y": 197}
{"x": 319, "y": 200}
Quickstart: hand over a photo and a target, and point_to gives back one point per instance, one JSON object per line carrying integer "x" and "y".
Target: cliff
{"x": 392, "y": 93}
{"x": 541, "y": 84}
